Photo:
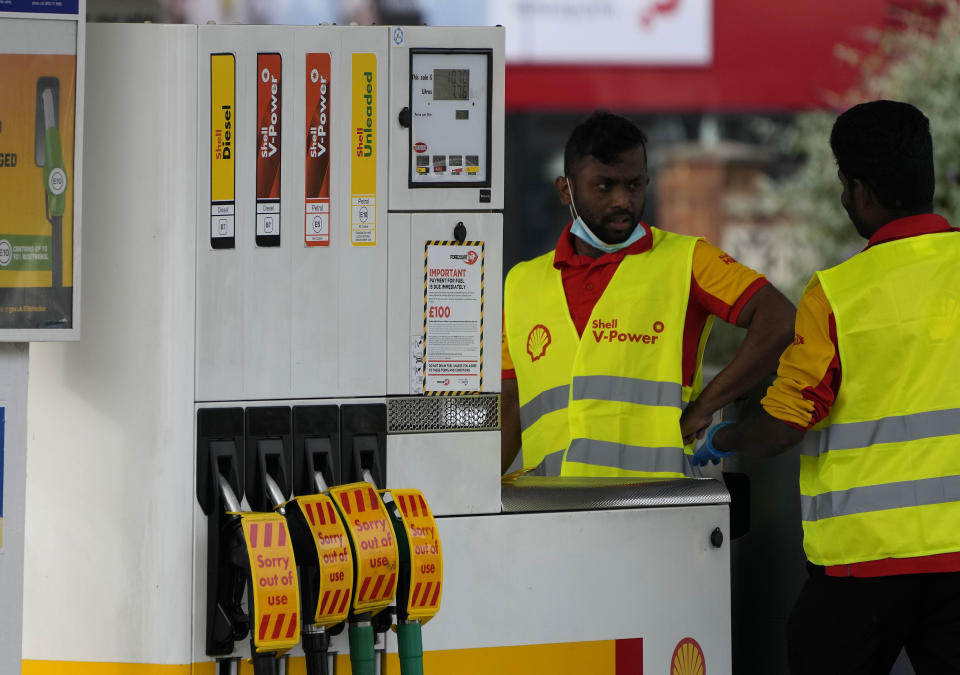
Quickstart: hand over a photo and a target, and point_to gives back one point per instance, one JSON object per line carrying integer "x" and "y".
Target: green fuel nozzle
{"x": 54, "y": 175}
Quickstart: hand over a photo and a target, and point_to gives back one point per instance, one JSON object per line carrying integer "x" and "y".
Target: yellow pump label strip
{"x": 426, "y": 554}
{"x": 374, "y": 546}
{"x": 336, "y": 561}
{"x": 276, "y": 595}
{"x": 363, "y": 153}
{"x": 223, "y": 127}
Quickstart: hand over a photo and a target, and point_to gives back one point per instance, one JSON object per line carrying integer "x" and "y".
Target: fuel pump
{"x": 420, "y": 580}
{"x": 374, "y": 549}
{"x": 273, "y": 591}
{"x": 320, "y": 540}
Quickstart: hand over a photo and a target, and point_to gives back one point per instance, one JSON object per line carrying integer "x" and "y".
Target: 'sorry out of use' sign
{"x": 276, "y": 595}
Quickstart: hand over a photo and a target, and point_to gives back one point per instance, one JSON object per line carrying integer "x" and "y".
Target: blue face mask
{"x": 580, "y": 230}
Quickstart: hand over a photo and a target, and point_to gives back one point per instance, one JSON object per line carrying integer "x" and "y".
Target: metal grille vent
{"x": 417, "y": 414}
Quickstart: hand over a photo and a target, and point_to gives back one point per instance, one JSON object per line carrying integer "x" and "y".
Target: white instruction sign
{"x": 453, "y": 316}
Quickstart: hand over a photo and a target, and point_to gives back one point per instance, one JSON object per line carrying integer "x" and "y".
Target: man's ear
{"x": 563, "y": 189}
{"x": 863, "y": 195}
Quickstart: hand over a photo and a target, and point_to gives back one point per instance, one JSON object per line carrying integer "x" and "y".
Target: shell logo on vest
{"x": 538, "y": 341}
{"x": 688, "y": 658}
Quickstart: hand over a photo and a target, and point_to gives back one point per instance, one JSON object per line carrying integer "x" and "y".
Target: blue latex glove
{"x": 708, "y": 453}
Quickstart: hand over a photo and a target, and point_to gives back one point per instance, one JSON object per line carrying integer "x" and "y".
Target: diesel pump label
{"x": 276, "y": 596}
{"x": 316, "y": 188}
{"x": 222, "y": 151}
{"x": 336, "y": 560}
{"x": 363, "y": 155}
{"x": 453, "y": 316}
{"x": 426, "y": 555}
{"x": 374, "y": 546}
{"x": 269, "y": 109}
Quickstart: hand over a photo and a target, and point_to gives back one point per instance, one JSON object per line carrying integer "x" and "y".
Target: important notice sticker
{"x": 426, "y": 555}
{"x": 374, "y": 546}
{"x": 453, "y": 316}
{"x": 336, "y": 560}
{"x": 276, "y": 596}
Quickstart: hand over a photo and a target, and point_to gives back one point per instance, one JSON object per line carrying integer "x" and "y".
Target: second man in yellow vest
{"x": 604, "y": 336}
{"x": 874, "y": 373}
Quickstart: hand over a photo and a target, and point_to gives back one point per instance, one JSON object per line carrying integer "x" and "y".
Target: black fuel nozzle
{"x": 219, "y": 493}
{"x": 316, "y": 448}
{"x": 268, "y": 457}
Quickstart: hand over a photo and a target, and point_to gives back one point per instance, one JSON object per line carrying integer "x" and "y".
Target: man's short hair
{"x": 887, "y": 145}
{"x": 602, "y": 135}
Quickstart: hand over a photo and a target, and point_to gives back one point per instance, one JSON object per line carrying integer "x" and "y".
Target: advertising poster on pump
{"x": 37, "y": 113}
{"x": 316, "y": 230}
{"x": 453, "y": 316}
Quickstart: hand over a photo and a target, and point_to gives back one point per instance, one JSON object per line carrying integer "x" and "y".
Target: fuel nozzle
{"x": 420, "y": 581}
{"x": 374, "y": 550}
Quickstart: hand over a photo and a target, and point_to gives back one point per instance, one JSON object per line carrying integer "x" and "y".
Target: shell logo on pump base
{"x": 688, "y": 658}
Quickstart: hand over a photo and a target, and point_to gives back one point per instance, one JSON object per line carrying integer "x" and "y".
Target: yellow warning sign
{"x": 336, "y": 560}
{"x": 426, "y": 554}
{"x": 363, "y": 164}
{"x": 374, "y": 546}
{"x": 276, "y": 596}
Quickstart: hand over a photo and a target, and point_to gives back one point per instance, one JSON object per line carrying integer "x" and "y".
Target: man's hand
{"x": 694, "y": 422}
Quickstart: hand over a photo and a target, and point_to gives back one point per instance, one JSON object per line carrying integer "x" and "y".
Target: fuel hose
{"x": 362, "y": 653}
{"x": 410, "y": 643}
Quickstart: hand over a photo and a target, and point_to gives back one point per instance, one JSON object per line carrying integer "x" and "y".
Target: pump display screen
{"x": 450, "y": 117}
{"x": 451, "y": 85}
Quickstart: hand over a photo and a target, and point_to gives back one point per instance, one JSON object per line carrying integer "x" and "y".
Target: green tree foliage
{"x": 917, "y": 61}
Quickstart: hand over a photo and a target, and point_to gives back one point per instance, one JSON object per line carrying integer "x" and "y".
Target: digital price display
{"x": 451, "y": 85}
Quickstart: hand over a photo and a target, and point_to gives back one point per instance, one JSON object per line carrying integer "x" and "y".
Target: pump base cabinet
{"x": 293, "y": 280}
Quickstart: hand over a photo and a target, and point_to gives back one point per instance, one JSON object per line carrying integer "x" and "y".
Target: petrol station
{"x": 269, "y": 440}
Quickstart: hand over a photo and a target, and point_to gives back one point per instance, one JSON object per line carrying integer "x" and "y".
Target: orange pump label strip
{"x": 374, "y": 545}
{"x": 276, "y": 596}
{"x": 336, "y": 560}
{"x": 426, "y": 554}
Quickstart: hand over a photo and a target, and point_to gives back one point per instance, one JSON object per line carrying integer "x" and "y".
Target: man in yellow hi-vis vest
{"x": 604, "y": 335}
{"x": 874, "y": 369}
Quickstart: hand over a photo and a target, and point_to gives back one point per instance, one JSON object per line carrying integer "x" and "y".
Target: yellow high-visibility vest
{"x": 609, "y": 403}
{"x": 882, "y": 479}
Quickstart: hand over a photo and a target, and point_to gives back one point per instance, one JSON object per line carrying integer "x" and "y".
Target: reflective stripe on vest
{"x": 602, "y": 388}
{"x": 627, "y": 390}
{"x": 883, "y": 497}
{"x": 882, "y": 478}
{"x": 620, "y": 383}
{"x": 627, "y": 457}
{"x": 542, "y": 404}
{"x": 897, "y": 429}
